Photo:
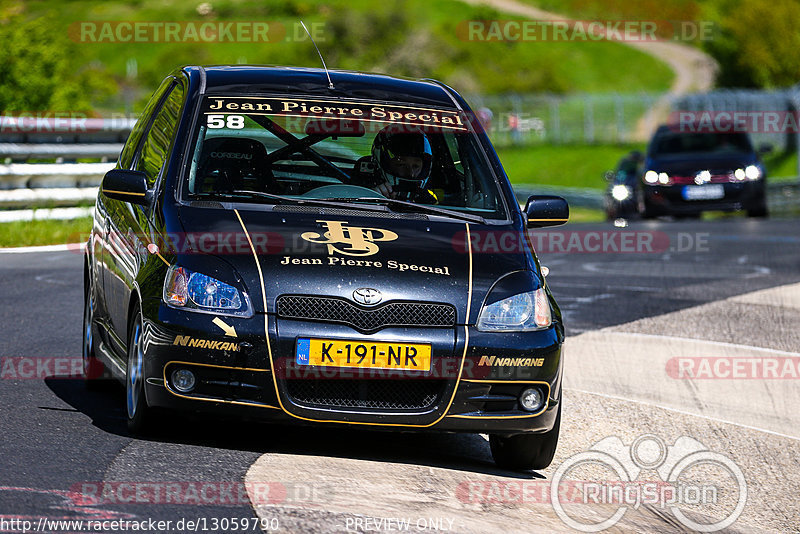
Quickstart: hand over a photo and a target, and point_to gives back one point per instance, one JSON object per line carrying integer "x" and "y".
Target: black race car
{"x": 277, "y": 245}
{"x": 687, "y": 172}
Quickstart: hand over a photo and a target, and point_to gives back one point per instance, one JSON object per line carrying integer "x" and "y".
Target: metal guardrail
{"x": 64, "y": 130}
{"x": 62, "y": 214}
{"x": 30, "y": 198}
{"x": 26, "y": 151}
{"x": 783, "y": 198}
{"x": 51, "y": 175}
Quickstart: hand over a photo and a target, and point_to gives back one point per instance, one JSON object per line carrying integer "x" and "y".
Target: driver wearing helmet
{"x": 403, "y": 161}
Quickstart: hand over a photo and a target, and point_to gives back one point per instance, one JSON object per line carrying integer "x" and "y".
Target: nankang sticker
{"x": 189, "y": 341}
{"x": 516, "y": 362}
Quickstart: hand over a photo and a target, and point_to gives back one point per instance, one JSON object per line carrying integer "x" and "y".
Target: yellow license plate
{"x": 343, "y": 353}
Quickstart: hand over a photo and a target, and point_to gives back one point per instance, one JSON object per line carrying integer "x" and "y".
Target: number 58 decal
{"x": 234, "y": 122}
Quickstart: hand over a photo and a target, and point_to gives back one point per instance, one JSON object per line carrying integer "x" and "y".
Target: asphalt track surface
{"x": 699, "y": 293}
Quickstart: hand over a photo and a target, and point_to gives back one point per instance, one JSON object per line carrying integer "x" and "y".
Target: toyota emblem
{"x": 367, "y": 296}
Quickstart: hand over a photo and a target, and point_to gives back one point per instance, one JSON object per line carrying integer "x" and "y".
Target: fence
{"x": 621, "y": 118}
{"x": 577, "y": 118}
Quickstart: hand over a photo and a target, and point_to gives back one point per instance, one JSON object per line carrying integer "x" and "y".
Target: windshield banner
{"x": 425, "y": 117}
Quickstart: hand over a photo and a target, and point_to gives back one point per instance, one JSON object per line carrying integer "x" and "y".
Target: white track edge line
{"x": 683, "y": 412}
{"x": 41, "y": 248}
{"x": 694, "y": 340}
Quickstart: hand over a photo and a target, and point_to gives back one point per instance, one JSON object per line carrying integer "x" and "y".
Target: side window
{"x": 156, "y": 145}
{"x": 126, "y": 157}
{"x": 452, "y": 145}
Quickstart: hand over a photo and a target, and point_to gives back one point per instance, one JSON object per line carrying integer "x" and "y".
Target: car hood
{"x": 688, "y": 165}
{"x": 314, "y": 251}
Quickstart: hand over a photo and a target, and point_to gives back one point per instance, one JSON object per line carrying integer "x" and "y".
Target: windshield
{"x": 721, "y": 143}
{"x": 253, "y": 148}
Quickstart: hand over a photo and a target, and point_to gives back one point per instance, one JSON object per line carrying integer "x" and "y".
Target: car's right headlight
{"x": 199, "y": 292}
{"x": 518, "y": 313}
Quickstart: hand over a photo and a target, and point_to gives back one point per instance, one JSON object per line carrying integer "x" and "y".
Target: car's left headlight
{"x": 195, "y": 291}
{"x": 518, "y": 313}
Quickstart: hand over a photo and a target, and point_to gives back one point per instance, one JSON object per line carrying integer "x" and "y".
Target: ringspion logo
{"x": 691, "y": 478}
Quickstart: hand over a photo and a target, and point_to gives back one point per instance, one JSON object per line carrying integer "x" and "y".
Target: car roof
{"x": 296, "y": 81}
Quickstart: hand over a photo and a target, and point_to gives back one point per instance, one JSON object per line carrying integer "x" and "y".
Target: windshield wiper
{"x": 402, "y": 205}
{"x": 280, "y": 199}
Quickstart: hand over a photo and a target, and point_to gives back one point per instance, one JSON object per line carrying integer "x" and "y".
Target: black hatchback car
{"x": 277, "y": 245}
{"x": 688, "y": 172}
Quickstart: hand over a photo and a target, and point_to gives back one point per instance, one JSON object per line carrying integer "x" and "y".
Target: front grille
{"x": 717, "y": 177}
{"x": 383, "y": 394}
{"x": 336, "y": 310}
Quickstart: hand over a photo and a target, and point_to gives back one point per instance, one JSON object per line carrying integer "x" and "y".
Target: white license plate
{"x": 703, "y": 192}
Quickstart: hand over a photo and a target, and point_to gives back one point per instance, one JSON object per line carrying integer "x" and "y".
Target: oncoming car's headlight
{"x": 752, "y": 172}
{"x": 194, "y": 291}
{"x": 620, "y": 192}
{"x": 519, "y": 313}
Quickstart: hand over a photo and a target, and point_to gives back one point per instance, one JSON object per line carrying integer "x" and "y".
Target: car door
{"x": 127, "y": 223}
{"x": 107, "y": 209}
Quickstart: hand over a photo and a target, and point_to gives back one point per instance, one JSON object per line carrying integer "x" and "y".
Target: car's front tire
{"x": 643, "y": 207}
{"x": 141, "y": 417}
{"x": 523, "y": 452}
{"x": 759, "y": 211}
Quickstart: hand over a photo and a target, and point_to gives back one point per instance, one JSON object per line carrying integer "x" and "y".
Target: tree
{"x": 43, "y": 70}
{"x": 756, "y": 44}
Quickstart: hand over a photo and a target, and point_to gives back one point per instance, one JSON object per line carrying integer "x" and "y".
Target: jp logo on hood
{"x": 359, "y": 241}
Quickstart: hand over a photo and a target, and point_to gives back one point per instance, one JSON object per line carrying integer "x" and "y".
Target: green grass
{"x": 585, "y": 215}
{"x": 781, "y": 164}
{"x": 44, "y": 232}
{"x": 562, "y": 165}
{"x": 585, "y": 165}
{"x": 640, "y": 10}
{"x": 414, "y": 38}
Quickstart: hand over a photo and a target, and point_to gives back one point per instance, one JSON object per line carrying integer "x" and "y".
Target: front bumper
{"x": 467, "y": 390}
{"x": 667, "y": 200}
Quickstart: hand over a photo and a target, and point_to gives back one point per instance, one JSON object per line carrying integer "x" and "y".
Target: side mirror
{"x": 546, "y": 210}
{"x": 609, "y": 176}
{"x": 126, "y": 185}
{"x": 764, "y": 148}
